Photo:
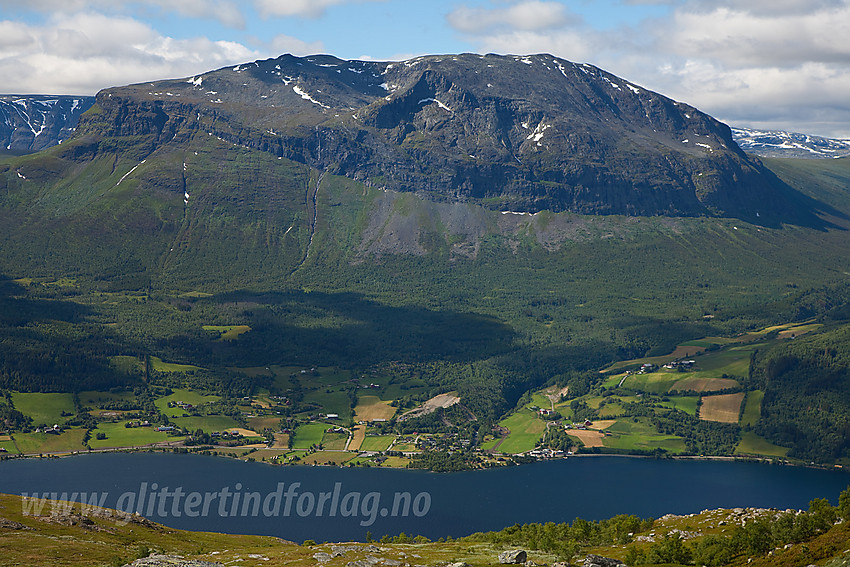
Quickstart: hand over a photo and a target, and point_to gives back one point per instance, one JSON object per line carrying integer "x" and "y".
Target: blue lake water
{"x": 335, "y": 504}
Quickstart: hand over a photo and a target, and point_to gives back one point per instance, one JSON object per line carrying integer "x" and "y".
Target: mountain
{"x": 776, "y": 143}
{"x": 29, "y": 123}
{"x": 511, "y": 133}
{"x": 483, "y": 224}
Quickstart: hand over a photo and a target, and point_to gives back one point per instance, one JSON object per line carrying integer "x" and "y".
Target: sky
{"x": 773, "y": 64}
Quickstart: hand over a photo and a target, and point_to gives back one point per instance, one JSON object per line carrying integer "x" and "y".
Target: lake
{"x": 336, "y": 504}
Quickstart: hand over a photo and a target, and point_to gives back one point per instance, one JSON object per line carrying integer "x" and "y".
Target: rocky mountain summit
{"x": 518, "y": 133}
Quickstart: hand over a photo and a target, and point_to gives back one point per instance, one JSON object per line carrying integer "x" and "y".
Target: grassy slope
{"x": 110, "y": 541}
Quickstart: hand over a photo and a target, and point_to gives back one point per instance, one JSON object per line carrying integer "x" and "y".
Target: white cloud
{"x": 227, "y": 12}
{"x": 767, "y": 63}
{"x": 304, "y": 8}
{"x": 287, "y": 44}
{"x": 528, "y": 16}
{"x": 742, "y": 38}
{"x": 82, "y": 53}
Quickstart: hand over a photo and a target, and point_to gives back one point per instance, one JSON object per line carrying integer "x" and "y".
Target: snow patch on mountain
{"x": 778, "y": 143}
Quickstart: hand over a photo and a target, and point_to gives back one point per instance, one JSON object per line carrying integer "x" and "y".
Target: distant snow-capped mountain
{"x": 776, "y": 143}
{"x": 35, "y": 122}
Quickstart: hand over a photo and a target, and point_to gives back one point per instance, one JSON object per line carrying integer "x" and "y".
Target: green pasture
{"x": 526, "y": 429}
{"x": 308, "y": 435}
{"x": 119, "y": 436}
{"x": 377, "y": 442}
{"x": 687, "y": 404}
{"x": 160, "y": 366}
{"x": 540, "y": 400}
{"x": 658, "y": 382}
{"x": 9, "y": 446}
{"x": 186, "y": 396}
{"x": 228, "y": 332}
{"x": 630, "y": 435}
{"x": 752, "y": 444}
{"x": 734, "y": 361}
{"x": 97, "y": 399}
{"x": 334, "y": 441}
{"x": 70, "y": 440}
{"x": 207, "y": 423}
{"x": 44, "y": 409}
{"x": 752, "y": 408}
{"x": 260, "y": 423}
{"x": 336, "y": 401}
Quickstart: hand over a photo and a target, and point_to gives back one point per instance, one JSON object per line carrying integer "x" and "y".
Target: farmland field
{"x": 725, "y": 408}
{"x": 697, "y": 384}
{"x": 119, "y": 436}
{"x": 334, "y": 441}
{"x": 588, "y": 438}
{"x": 752, "y": 444}
{"x": 186, "y": 396}
{"x": 71, "y": 440}
{"x": 160, "y": 365}
{"x": 208, "y": 423}
{"x": 96, "y": 399}
{"x": 526, "y": 429}
{"x": 9, "y": 445}
{"x": 370, "y": 408}
{"x": 327, "y": 458}
{"x": 687, "y": 404}
{"x": 44, "y": 409}
{"x": 261, "y": 423}
{"x": 636, "y": 435}
{"x": 309, "y": 435}
{"x": 377, "y": 442}
{"x": 752, "y": 409}
{"x": 228, "y": 332}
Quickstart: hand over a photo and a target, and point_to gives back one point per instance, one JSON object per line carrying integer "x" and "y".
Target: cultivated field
{"x": 725, "y": 408}
{"x": 377, "y": 442}
{"x": 752, "y": 444}
{"x": 228, "y": 332}
{"x": 119, "y": 436}
{"x": 752, "y": 408}
{"x": 44, "y": 409}
{"x": 68, "y": 441}
{"x": 309, "y": 434}
{"x": 525, "y": 429}
{"x": 696, "y": 384}
{"x": 370, "y": 408}
{"x": 588, "y": 437}
{"x": 633, "y": 435}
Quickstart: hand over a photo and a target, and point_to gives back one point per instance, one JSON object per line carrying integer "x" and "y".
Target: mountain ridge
{"x": 523, "y": 133}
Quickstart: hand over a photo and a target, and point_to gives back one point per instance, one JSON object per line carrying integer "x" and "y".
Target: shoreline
{"x": 171, "y": 448}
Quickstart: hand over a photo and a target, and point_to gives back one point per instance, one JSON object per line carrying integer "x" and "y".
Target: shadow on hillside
{"x": 791, "y": 206}
{"x": 47, "y": 343}
{"x": 346, "y": 329}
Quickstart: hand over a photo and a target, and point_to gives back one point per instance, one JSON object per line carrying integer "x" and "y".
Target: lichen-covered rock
{"x": 170, "y": 561}
{"x": 599, "y": 561}
{"x": 513, "y": 556}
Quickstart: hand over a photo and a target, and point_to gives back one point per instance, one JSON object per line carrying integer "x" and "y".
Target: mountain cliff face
{"x": 30, "y": 123}
{"x": 508, "y": 132}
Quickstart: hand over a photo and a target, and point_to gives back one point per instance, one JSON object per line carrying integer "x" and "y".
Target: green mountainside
{"x": 344, "y": 216}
